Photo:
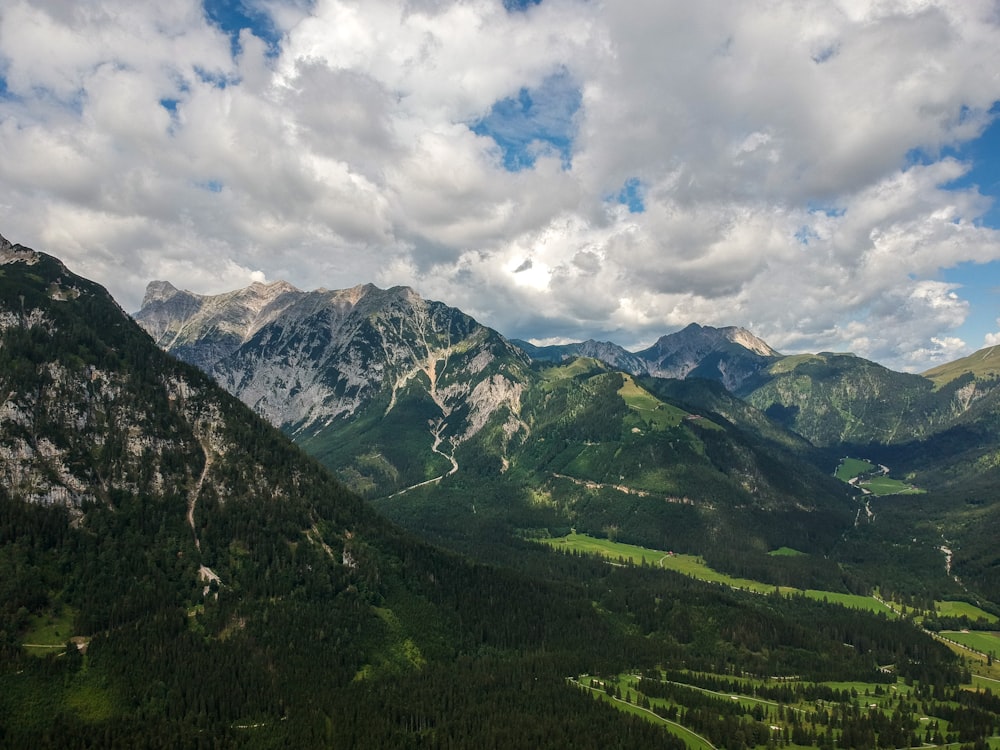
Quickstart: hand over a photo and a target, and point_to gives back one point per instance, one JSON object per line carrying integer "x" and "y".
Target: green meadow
{"x": 852, "y": 467}
{"x": 786, "y": 552}
{"x": 849, "y": 468}
{"x": 655, "y": 413}
{"x": 696, "y": 568}
{"x": 691, "y": 739}
{"x": 984, "y": 642}
{"x": 964, "y": 609}
{"x": 887, "y": 486}
{"x": 862, "y": 699}
{"x": 49, "y": 632}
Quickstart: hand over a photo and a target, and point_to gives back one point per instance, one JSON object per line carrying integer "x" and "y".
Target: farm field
{"x": 878, "y": 483}
{"x": 985, "y": 642}
{"x": 696, "y": 568}
{"x": 782, "y": 712}
{"x": 852, "y": 467}
{"x": 963, "y": 609}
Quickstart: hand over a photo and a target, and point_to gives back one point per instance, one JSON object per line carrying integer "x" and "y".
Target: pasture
{"x": 852, "y": 467}
{"x": 658, "y": 415}
{"x": 963, "y": 609}
{"x": 984, "y": 642}
{"x": 695, "y": 567}
{"x": 887, "y": 486}
{"x": 47, "y": 633}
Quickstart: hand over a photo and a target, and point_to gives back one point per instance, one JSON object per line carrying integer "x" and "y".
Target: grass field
{"x": 49, "y": 632}
{"x": 696, "y": 568}
{"x": 854, "y": 601}
{"x": 987, "y": 643}
{"x": 692, "y": 740}
{"x": 886, "y": 486}
{"x": 870, "y": 697}
{"x": 964, "y": 609}
{"x": 786, "y": 552}
{"x": 687, "y": 564}
{"x": 852, "y": 467}
{"x": 658, "y": 415}
{"x": 579, "y": 366}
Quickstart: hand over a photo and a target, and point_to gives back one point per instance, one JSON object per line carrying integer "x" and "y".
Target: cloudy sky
{"x": 822, "y": 172}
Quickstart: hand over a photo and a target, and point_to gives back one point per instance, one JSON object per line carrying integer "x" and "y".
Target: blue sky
{"x": 823, "y": 172}
{"x": 232, "y": 16}
{"x": 980, "y": 282}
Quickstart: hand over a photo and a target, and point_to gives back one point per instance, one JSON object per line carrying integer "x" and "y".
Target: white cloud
{"x": 773, "y": 141}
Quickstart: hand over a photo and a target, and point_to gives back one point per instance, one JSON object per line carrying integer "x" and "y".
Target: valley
{"x": 458, "y": 528}
{"x": 725, "y": 711}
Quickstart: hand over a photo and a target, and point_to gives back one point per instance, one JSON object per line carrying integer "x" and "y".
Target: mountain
{"x": 174, "y": 572}
{"x": 732, "y": 356}
{"x": 173, "y": 568}
{"x": 835, "y": 399}
{"x": 455, "y": 435}
{"x": 212, "y": 328}
{"x": 398, "y": 395}
{"x": 408, "y": 379}
{"x": 611, "y": 354}
{"x": 982, "y": 365}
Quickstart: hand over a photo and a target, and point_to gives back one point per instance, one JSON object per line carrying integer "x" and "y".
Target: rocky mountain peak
{"x": 158, "y": 291}
{"x": 747, "y": 340}
{"x": 708, "y": 338}
{"x": 11, "y": 253}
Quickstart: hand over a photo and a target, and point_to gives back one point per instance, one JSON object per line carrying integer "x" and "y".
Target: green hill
{"x": 982, "y": 365}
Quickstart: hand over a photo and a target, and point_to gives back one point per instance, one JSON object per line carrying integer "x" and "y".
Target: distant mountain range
{"x": 395, "y": 392}
{"x": 305, "y": 360}
{"x": 175, "y": 571}
{"x": 733, "y": 356}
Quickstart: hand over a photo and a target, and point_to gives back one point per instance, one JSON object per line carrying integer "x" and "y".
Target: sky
{"x": 824, "y": 173}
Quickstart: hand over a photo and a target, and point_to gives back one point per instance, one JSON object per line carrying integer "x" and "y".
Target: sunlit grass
{"x": 696, "y": 567}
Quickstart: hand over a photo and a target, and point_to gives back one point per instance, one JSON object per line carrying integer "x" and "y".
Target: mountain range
{"x": 177, "y": 573}
{"x": 733, "y": 356}
{"x": 396, "y": 394}
{"x": 175, "y": 569}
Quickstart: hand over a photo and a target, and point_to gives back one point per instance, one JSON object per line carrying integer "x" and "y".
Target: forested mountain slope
{"x": 175, "y": 573}
{"x": 213, "y": 579}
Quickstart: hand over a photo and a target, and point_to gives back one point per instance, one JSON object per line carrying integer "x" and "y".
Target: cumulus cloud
{"x": 563, "y": 171}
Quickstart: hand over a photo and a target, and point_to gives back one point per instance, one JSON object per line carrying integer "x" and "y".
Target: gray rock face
{"x": 730, "y": 355}
{"x": 307, "y": 360}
